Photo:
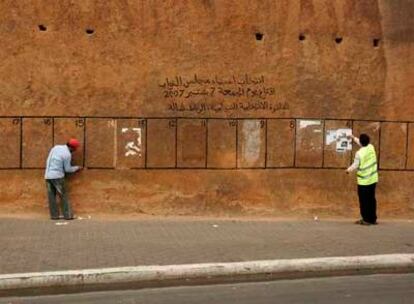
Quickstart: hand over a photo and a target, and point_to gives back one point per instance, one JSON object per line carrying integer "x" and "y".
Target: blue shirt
{"x": 59, "y": 162}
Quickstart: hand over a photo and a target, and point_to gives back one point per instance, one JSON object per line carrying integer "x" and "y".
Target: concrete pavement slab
{"x": 39, "y": 245}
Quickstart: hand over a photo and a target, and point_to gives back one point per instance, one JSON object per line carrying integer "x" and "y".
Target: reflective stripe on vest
{"x": 367, "y": 172}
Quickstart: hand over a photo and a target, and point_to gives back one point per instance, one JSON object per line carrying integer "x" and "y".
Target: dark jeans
{"x": 368, "y": 203}
{"x": 55, "y": 186}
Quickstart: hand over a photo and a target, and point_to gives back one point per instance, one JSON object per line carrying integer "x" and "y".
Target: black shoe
{"x": 55, "y": 218}
{"x": 70, "y": 218}
{"x": 362, "y": 222}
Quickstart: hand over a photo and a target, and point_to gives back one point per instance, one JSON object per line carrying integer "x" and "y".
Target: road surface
{"x": 395, "y": 289}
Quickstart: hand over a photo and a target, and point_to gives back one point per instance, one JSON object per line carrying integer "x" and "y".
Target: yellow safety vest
{"x": 367, "y": 173}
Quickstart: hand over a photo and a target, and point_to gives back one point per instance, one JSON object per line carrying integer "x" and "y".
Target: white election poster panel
{"x": 343, "y": 140}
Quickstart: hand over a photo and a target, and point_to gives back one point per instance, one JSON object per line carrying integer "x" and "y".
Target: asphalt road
{"x": 376, "y": 289}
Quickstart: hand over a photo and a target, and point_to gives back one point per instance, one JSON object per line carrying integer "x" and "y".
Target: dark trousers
{"x": 55, "y": 186}
{"x": 368, "y": 203}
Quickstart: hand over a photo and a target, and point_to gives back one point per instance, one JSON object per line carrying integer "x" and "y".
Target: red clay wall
{"x": 207, "y": 106}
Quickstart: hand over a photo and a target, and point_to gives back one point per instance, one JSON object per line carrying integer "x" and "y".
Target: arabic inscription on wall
{"x": 220, "y": 94}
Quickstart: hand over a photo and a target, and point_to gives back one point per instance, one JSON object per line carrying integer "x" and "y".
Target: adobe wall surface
{"x": 205, "y": 106}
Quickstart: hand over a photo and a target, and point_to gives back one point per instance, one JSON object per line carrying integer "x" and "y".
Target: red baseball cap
{"x": 74, "y": 143}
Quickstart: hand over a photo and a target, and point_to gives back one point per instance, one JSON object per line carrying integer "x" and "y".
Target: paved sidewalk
{"x": 34, "y": 245}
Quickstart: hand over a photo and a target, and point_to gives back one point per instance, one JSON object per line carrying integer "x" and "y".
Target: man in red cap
{"x": 58, "y": 163}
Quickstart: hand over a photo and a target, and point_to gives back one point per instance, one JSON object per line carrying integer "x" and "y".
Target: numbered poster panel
{"x": 100, "y": 143}
{"x": 337, "y": 148}
{"x": 10, "y": 134}
{"x": 393, "y": 145}
{"x": 67, "y": 128}
{"x": 251, "y": 143}
{"x": 410, "y": 150}
{"x": 309, "y": 143}
{"x": 37, "y": 141}
{"x": 192, "y": 143}
{"x": 222, "y": 134}
{"x": 161, "y": 143}
{"x": 131, "y": 140}
{"x": 280, "y": 143}
{"x": 372, "y": 129}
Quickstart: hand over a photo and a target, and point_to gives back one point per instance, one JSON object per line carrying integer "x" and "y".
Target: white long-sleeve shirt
{"x": 357, "y": 159}
{"x": 59, "y": 162}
